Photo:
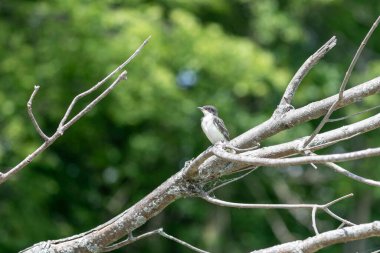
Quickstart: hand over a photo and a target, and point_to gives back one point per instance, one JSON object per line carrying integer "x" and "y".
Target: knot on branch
{"x": 187, "y": 187}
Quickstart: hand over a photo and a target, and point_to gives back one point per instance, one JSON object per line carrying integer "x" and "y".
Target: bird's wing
{"x": 220, "y": 124}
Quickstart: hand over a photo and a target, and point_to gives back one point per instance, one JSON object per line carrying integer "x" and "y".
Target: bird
{"x": 212, "y": 125}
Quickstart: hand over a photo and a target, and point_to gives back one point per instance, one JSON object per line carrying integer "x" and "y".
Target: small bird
{"x": 212, "y": 125}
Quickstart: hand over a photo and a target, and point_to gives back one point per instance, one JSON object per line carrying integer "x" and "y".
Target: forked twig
{"x": 160, "y": 232}
{"x": 64, "y": 126}
{"x": 93, "y": 88}
{"x": 314, "y": 207}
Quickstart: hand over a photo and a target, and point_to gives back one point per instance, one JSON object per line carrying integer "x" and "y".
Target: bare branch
{"x": 32, "y": 118}
{"x": 351, "y": 175}
{"x": 52, "y": 139}
{"x": 334, "y": 106}
{"x": 207, "y": 167}
{"x": 292, "y": 87}
{"x": 99, "y": 84}
{"x": 314, "y": 207}
{"x": 282, "y": 162}
{"x": 5, "y": 176}
{"x": 122, "y": 76}
{"x": 323, "y": 240}
{"x": 269, "y": 206}
{"x": 309, "y": 112}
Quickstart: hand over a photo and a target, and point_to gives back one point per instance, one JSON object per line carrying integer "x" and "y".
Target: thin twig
{"x": 160, "y": 232}
{"x": 93, "y": 88}
{"x": 337, "y": 200}
{"x": 292, "y": 87}
{"x": 122, "y": 76}
{"x": 351, "y": 175}
{"x": 344, "y": 83}
{"x": 232, "y": 180}
{"x": 129, "y": 240}
{"x": 354, "y": 114}
{"x": 31, "y": 115}
{"x": 345, "y": 222}
{"x": 314, "y": 207}
{"x": 269, "y": 206}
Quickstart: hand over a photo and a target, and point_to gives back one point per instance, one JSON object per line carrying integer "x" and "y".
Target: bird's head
{"x": 208, "y": 109}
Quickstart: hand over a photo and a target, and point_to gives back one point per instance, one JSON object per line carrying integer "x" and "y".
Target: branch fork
{"x": 64, "y": 123}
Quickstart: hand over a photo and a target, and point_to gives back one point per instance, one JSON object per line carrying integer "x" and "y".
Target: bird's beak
{"x": 200, "y": 108}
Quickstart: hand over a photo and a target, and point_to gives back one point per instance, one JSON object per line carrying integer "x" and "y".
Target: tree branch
{"x": 351, "y": 175}
{"x": 282, "y": 162}
{"x": 290, "y": 148}
{"x": 64, "y": 126}
{"x": 286, "y": 100}
{"x": 323, "y": 240}
{"x": 269, "y": 206}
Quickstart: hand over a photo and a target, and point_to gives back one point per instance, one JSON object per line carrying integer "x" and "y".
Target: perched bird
{"x": 212, "y": 125}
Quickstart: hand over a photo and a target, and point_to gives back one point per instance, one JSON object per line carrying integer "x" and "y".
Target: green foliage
{"x": 238, "y": 55}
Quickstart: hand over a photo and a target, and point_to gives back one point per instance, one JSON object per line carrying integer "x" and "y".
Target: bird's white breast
{"x": 211, "y": 130}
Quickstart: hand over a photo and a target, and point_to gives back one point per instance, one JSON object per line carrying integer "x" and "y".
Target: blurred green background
{"x": 238, "y": 55}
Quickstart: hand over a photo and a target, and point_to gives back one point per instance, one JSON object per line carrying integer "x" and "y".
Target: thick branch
{"x": 98, "y": 238}
{"x": 323, "y": 240}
